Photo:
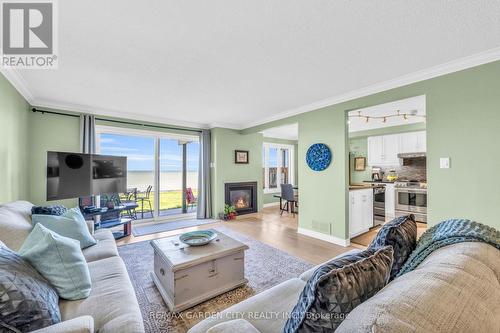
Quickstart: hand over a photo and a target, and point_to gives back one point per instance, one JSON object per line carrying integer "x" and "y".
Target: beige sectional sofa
{"x": 455, "y": 289}
{"x": 111, "y": 306}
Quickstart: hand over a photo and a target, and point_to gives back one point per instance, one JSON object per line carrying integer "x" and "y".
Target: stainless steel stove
{"x": 411, "y": 198}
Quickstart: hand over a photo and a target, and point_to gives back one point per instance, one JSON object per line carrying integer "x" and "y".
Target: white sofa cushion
{"x": 455, "y": 289}
{"x": 15, "y": 223}
{"x": 275, "y": 303}
{"x": 105, "y": 247}
{"x": 232, "y": 326}
{"x": 83, "y": 324}
{"x": 112, "y": 302}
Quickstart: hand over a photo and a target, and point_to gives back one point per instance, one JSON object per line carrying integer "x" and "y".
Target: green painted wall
{"x": 463, "y": 123}
{"x": 323, "y": 195}
{"x": 224, "y": 143}
{"x": 14, "y": 144}
{"x": 358, "y": 146}
{"x": 49, "y": 133}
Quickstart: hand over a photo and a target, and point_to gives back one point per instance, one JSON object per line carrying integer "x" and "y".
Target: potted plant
{"x": 229, "y": 212}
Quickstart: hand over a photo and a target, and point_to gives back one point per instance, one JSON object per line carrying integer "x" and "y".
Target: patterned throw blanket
{"x": 450, "y": 232}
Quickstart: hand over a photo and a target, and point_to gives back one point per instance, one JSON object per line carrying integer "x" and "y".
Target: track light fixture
{"x": 405, "y": 115}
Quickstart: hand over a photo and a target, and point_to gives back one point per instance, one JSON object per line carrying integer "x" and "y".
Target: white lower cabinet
{"x": 360, "y": 211}
{"x": 390, "y": 201}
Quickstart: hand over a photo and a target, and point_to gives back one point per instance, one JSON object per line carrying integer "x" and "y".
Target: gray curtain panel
{"x": 204, "y": 210}
{"x": 87, "y": 134}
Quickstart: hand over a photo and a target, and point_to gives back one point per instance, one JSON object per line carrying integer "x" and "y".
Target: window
{"x": 277, "y": 166}
{"x": 162, "y": 168}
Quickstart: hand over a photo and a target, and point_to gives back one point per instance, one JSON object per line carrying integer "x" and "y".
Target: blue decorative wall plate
{"x": 318, "y": 157}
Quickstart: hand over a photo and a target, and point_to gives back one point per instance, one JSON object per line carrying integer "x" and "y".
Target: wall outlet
{"x": 444, "y": 162}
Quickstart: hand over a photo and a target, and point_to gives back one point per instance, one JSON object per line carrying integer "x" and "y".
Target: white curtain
{"x": 204, "y": 209}
{"x": 87, "y": 134}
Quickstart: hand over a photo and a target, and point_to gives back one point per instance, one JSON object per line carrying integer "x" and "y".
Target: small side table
{"x": 113, "y": 220}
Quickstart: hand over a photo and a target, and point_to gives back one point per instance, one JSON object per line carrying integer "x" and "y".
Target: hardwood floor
{"x": 366, "y": 238}
{"x": 270, "y": 228}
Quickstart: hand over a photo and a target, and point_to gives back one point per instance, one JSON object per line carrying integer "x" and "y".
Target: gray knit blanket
{"x": 450, "y": 232}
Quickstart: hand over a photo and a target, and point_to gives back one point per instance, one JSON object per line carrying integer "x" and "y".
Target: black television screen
{"x": 72, "y": 175}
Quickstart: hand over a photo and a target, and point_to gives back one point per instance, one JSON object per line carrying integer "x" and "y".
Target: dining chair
{"x": 291, "y": 200}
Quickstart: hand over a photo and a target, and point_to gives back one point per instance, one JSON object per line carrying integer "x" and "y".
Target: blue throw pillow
{"x": 71, "y": 224}
{"x": 401, "y": 234}
{"x": 337, "y": 287}
{"x": 49, "y": 210}
{"x": 27, "y": 301}
{"x": 60, "y": 260}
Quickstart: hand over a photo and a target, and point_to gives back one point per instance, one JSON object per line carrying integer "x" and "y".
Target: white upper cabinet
{"x": 391, "y": 149}
{"x": 375, "y": 150}
{"x": 413, "y": 142}
{"x": 422, "y": 141}
{"x": 383, "y": 150}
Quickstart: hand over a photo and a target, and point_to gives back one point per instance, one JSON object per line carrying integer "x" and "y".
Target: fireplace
{"x": 243, "y": 196}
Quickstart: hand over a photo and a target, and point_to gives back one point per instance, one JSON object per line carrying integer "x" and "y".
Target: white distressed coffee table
{"x": 188, "y": 275}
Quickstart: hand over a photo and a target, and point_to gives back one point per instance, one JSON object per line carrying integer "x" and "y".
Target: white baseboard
{"x": 324, "y": 237}
{"x": 272, "y": 204}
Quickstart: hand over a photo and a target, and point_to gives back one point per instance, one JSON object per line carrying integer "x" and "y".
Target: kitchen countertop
{"x": 353, "y": 187}
{"x": 378, "y": 182}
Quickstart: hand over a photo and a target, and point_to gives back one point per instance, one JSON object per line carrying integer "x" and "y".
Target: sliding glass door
{"x": 179, "y": 159}
{"x": 162, "y": 175}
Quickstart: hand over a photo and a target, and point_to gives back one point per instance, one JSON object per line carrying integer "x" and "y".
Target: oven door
{"x": 411, "y": 200}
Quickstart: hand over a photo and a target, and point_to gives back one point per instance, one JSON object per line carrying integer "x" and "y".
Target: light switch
{"x": 444, "y": 162}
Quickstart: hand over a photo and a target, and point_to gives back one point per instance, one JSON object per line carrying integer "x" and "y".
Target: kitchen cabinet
{"x": 383, "y": 150}
{"x": 413, "y": 142}
{"x": 390, "y": 201}
{"x": 360, "y": 211}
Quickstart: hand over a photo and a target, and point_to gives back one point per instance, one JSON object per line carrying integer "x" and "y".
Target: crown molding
{"x": 42, "y": 103}
{"x": 422, "y": 75}
{"x": 225, "y": 125}
{"x": 15, "y": 78}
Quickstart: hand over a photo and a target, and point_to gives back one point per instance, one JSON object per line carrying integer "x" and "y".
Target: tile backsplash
{"x": 412, "y": 168}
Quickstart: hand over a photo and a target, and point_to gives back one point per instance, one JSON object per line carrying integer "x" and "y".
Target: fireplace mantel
{"x": 242, "y": 195}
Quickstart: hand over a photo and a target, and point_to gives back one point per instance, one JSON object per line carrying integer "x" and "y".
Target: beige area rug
{"x": 265, "y": 266}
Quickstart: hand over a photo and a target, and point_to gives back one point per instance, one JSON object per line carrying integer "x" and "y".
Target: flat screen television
{"x": 73, "y": 175}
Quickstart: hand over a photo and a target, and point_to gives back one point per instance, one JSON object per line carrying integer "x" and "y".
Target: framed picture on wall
{"x": 359, "y": 163}
{"x": 241, "y": 156}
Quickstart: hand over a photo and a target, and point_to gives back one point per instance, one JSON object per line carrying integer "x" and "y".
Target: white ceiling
{"x": 241, "y": 63}
{"x": 287, "y": 132}
{"x": 414, "y": 106}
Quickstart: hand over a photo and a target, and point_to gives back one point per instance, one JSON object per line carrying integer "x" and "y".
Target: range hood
{"x": 412, "y": 155}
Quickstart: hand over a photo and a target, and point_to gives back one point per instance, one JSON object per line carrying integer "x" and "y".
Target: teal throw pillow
{"x": 71, "y": 224}
{"x": 60, "y": 260}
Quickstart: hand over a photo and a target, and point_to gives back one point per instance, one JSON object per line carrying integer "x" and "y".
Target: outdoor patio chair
{"x": 191, "y": 200}
{"x": 146, "y": 199}
{"x": 129, "y": 200}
